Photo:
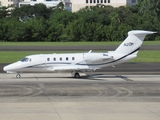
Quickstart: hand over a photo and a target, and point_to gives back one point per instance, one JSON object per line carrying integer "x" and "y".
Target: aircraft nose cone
{"x": 8, "y": 67}
{"x": 5, "y": 68}
{"x": 11, "y": 67}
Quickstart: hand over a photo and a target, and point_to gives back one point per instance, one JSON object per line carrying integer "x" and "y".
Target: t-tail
{"x": 133, "y": 42}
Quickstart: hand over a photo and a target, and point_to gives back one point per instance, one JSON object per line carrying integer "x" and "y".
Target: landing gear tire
{"x": 18, "y": 76}
{"x": 76, "y": 75}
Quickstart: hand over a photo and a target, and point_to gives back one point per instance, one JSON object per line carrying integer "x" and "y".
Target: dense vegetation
{"x": 99, "y": 23}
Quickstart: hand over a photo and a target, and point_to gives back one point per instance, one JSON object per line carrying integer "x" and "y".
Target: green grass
{"x": 69, "y": 43}
{"x": 12, "y": 56}
{"x": 147, "y": 56}
{"x": 56, "y": 43}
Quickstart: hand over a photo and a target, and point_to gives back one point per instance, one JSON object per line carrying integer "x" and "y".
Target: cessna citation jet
{"x": 80, "y": 62}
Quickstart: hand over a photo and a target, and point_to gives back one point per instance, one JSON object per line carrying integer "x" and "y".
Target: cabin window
{"x": 67, "y": 58}
{"x": 105, "y": 55}
{"x": 48, "y": 59}
{"x": 108, "y": 1}
{"x": 86, "y": 1}
{"x": 60, "y": 58}
{"x": 54, "y": 59}
{"x": 73, "y": 58}
{"x": 104, "y": 1}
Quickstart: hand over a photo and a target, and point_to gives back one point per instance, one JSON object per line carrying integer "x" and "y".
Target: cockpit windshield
{"x": 25, "y": 60}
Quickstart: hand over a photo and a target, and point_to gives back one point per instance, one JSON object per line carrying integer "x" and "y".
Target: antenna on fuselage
{"x": 90, "y": 51}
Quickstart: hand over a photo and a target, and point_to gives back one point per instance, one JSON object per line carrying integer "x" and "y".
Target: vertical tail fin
{"x": 133, "y": 42}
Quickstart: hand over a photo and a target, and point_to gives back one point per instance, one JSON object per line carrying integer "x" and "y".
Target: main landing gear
{"x": 18, "y": 75}
{"x": 75, "y": 74}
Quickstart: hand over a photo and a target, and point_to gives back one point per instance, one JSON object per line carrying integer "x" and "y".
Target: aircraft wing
{"x": 72, "y": 67}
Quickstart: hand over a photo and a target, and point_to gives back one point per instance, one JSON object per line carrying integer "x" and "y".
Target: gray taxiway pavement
{"x": 47, "y": 96}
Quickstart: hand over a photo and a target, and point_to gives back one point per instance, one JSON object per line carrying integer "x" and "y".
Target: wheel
{"x": 18, "y": 76}
{"x": 77, "y": 75}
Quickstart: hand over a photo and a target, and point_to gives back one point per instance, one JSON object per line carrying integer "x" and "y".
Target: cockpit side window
{"x": 25, "y": 60}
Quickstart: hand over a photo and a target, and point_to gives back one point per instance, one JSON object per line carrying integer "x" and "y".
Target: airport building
{"x": 71, "y": 5}
{"x": 48, "y": 3}
{"x": 78, "y": 4}
{"x": 6, "y": 2}
{"x": 15, "y": 3}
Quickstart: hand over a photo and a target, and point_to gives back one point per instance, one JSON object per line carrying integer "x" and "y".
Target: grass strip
{"x": 12, "y": 56}
{"x": 147, "y": 56}
{"x": 70, "y": 43}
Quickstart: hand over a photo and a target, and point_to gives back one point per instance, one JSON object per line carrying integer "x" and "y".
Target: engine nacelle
{"x": 96, "y": 57}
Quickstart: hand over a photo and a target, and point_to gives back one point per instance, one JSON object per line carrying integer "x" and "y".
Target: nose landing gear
{"x": 18, "y": 75}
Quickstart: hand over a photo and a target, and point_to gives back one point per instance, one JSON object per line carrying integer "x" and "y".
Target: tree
{"x": 27, "y": 11}
{"x": 4, "y": 11}
{"x": 60, "y": 6}
{"x": 149, "y": 7}
{"x": 94, "y": 23}
{"x": 40, "y": 10}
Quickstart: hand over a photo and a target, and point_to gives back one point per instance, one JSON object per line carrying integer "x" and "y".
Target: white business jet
{"x": 80, "y": 62}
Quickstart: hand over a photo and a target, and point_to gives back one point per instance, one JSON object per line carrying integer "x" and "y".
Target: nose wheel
{"x": 18, "y": 76}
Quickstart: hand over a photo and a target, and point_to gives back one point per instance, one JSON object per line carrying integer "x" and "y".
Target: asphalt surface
{"x": 48, "y": 96}
{"x": 101, "y": 87}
